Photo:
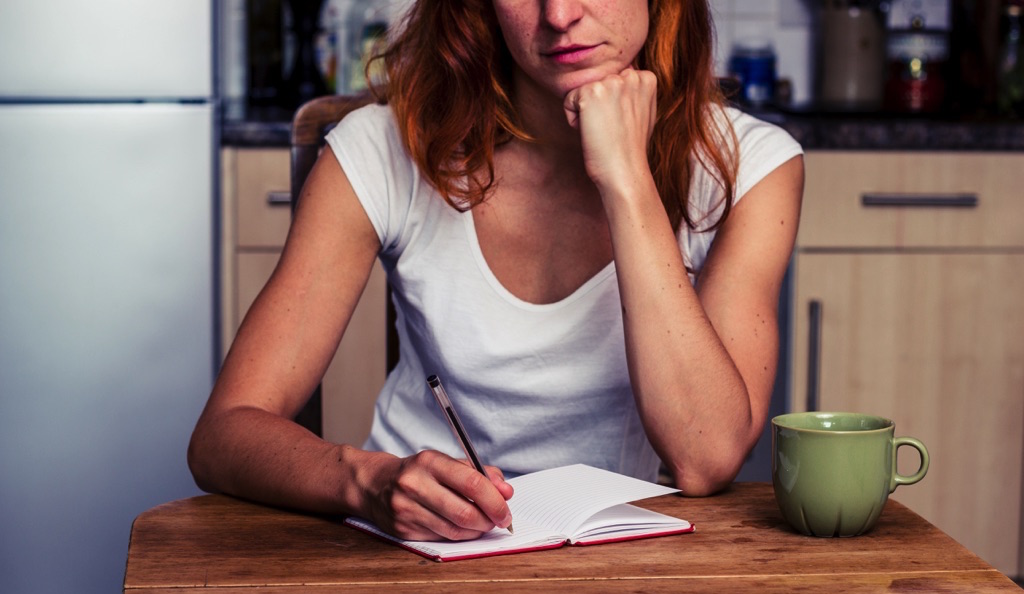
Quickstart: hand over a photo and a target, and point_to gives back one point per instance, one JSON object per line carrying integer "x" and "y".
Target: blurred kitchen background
{"x": 952, "y": 57}
{"x": 896, "y": 56}
{"x": 144, "y": 192}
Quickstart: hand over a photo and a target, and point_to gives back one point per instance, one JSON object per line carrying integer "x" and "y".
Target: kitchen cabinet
{"x": 255, "y": 219}
{"x": 909, "y": 303}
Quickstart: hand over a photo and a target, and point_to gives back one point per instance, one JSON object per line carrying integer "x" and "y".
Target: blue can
{"x": 754, "y": 66}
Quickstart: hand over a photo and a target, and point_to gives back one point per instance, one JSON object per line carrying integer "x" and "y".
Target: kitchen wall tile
{"x": 768, "y": 8}
{"x": 795, "y": 13}
{"x": 754, "y": 31}
{"x": 794, "y": 48}
{"x": 723, "y": 45}
{"x": 785, "y": 24}
{"x": 721, "y": 7}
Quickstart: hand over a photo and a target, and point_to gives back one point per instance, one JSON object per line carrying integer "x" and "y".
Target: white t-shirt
{"x": 537, "y": 386}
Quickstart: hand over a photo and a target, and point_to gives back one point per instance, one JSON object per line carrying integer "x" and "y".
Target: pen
{"x": 460, "y": 432}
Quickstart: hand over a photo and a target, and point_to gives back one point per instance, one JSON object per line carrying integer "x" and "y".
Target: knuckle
{"x": 475, "y": 482}
{"x": 411, "y": 532}
{"x": 452, "y": 532}
{"x": 425, "y": 457}
{"x": 494, "y": 471}
{"x": 430, "y": 459}
{"x": 464, "y": 517}
{"x": 401, "y": 506}
{"x": 407, "y": 483}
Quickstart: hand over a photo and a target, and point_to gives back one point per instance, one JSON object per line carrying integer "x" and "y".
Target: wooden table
{"x": 741, "y": 545}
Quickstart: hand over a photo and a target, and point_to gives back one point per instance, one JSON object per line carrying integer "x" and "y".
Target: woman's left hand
{"x": 615, "y": 117}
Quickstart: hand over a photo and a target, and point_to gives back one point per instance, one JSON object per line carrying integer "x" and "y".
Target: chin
{"x": 564, "y": 85}
{"x": 559, "y": 84}
{"x": 576, "y": 80}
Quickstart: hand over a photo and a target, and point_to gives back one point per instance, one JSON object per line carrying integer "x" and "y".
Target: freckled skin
{"x": 618, "y": 29}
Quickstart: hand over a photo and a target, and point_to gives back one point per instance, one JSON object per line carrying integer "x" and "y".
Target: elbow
{"x": 711, "y": 474}
{"x": 717, "y": 461}
{"x": 199, "y": 461}
{"x": 703, "y": 482}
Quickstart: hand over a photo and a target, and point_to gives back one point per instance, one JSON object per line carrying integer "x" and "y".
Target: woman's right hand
{"x": 431, "y": 496}
{"x": 615, "y": 117}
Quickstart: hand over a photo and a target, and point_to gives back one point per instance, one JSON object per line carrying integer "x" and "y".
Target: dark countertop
{"x": 835, "y": 131}
{"x": 255, "y": 133}
{"x": 815, "y": 131}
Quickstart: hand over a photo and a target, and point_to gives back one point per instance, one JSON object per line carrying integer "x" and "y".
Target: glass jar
{"x": 753, "y": 64}
{"x": 917, "y": 63}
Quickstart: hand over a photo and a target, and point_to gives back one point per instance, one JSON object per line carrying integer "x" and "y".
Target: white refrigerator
{"x": 107, "y": 267}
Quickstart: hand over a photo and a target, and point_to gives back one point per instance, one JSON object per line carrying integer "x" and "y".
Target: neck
{"x": 541, "y": 114}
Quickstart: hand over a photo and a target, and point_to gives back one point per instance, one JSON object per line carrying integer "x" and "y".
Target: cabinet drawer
{"x": 912, "y": 200}
{"x": 264, "y": 209}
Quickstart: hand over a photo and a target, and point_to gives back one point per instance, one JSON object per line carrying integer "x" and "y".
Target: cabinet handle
{"x": 279, "y": 198}
{"x": 920, "y": 200}
{"x": 814, "y": 354}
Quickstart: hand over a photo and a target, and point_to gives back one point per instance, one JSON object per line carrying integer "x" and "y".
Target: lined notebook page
{"x": 527, "y": 536}
{"x": 625, "y": 520}
{"x": 549, "y": 507}
{"x": 562, "y": 499}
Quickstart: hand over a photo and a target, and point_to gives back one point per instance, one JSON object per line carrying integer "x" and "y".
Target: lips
{"x": 570, "y": 54}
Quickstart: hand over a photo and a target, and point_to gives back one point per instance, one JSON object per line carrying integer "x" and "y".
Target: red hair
{"x": 449, "y": 76}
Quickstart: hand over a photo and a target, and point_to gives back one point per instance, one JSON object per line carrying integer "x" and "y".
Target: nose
{"x": 560, "y": 15}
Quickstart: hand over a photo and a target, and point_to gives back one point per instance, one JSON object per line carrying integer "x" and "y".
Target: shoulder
{"x": 368, "y": 145}
{"x": 369, "y": 148}
{"x": 371, "y": 123}
{"x": 747, "y": 126}
{"x": 761, "y": 146}
{"x": 755, "y": 135}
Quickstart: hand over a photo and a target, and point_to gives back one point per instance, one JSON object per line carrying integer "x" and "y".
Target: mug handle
{"x": 899, "y": 479}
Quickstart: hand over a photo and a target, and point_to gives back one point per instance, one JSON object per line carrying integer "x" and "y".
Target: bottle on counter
{"x": 327, "y": 42}
{"x": 1010, "y": 85}
{"x": 367, "y": 27}
{"x": 753, "y": 63}
{"x": 334, "y": 45}
{"x": 917, "y": 62}
{"x": 303, "y": 77}
{"x": 264, "y": 50}
{"x": 233, "y": 58}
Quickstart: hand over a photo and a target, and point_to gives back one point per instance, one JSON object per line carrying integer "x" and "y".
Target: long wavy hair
{"x": 449, "y": 83}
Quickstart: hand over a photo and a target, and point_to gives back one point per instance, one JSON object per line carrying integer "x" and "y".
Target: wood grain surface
{"x": 741, "y": 544}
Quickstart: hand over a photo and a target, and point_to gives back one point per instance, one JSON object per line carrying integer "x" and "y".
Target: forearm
{"x": 255, "y": 454}
{"x": 690, "y": 394}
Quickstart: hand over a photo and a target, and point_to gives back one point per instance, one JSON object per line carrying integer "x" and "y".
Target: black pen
{"x": 457, "y": 428}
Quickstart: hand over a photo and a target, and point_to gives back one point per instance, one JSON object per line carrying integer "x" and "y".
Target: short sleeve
{"x": 368, "y": 147}
{"x": 762, "y": 148}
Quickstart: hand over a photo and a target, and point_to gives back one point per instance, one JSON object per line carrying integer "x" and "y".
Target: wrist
{"x": 630, "y": 194}
{"x": 361, "y": 471}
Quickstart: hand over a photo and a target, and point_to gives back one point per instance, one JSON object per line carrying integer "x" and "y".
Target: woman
{"x": 543, "y": 189}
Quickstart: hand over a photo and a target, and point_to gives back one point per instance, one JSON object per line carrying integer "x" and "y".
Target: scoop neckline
{"x": 590, "y": 284}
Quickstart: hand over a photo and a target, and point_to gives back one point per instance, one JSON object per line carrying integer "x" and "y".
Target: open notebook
{"x": 577, "y": 505}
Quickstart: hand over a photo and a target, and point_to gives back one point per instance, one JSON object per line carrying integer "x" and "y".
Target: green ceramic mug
{"x": 833, "y": 471}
